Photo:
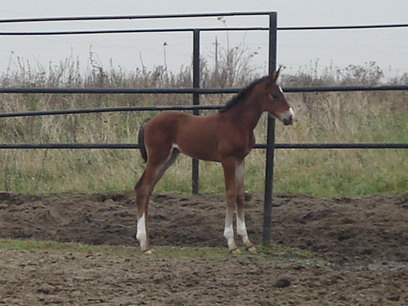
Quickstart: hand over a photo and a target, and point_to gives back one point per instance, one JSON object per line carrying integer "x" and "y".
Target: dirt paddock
{"x": 358, "y": 251}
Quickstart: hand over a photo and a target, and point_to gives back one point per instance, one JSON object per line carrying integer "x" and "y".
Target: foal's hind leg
{"x": 229, "y": 165}
{"x": 157, "y": 164}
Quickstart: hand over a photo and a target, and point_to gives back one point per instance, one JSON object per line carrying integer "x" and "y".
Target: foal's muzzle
{"x": 287, "y": 117}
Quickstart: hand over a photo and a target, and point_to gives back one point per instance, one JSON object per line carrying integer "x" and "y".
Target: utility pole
{"x": 165, "y": 55}
{"x": 216, "y": 53}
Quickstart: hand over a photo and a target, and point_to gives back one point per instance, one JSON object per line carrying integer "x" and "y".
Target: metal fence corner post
{"x": 270, "y": 141}
{"x": 196, "y": 101}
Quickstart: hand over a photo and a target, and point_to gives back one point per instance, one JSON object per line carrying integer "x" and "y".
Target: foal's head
{"x": 273, "y": 100}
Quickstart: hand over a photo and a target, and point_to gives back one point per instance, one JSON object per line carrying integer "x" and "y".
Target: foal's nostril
{"x": 288, "y": 120}
{"x": 288, "y": 117}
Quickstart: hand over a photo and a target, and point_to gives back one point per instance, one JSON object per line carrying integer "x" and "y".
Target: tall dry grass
{"x": 322, "y": 117}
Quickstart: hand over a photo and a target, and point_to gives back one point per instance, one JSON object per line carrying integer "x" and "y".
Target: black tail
{"x": 141, "y": 140}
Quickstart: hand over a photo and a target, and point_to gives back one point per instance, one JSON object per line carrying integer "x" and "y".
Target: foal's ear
{"x": 274, "y": 75}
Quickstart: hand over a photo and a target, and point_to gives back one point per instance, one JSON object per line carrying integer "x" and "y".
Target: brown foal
{"x": 226, "y": 137}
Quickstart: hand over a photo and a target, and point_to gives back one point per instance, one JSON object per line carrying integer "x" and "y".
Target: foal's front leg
{"x": 241, "y": 226}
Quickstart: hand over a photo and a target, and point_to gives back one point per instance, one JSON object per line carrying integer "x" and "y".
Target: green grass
{"x": 343, "y": 172}
{"x": 319, "y": 172}
{"x": 273, "y": 250}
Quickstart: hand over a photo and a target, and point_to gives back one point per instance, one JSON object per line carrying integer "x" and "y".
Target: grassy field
{"x": 321, "y": 117}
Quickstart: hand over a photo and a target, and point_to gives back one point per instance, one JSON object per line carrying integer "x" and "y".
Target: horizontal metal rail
{"x": 167, "y": 91}
{"x": 164, "y": 90}
{"x": 91, "y": 32}
{"x": 345, "y": 88}
{"x": 69, "y": 146}
{"x": 337, "y": 146}
{"x": 118, "y": 90}
{"x": 108, "y": 109}
{"x": 257, "y": 146}
{"x": 202, "y": 15}
{"x": 192, "y": 90}
{"x": 352, "y": 27}
{"x": 130, "y": 17}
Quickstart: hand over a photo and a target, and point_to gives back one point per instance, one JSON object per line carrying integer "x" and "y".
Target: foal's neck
{"x": 245, "y": 115}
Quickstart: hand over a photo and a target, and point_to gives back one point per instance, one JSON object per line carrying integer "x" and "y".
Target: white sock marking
{"x": 229, "y": 231}
{"x": 242, "y": 231}
{"x": 241, "y": 227}
{"x": 141, "y": 232}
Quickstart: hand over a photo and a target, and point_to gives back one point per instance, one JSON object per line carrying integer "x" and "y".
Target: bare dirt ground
{"x": 359, "y": 249}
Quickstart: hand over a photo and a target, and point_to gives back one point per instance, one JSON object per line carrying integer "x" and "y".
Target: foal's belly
{"x": 198, "y": 145}
{"x": 198, "y": 137}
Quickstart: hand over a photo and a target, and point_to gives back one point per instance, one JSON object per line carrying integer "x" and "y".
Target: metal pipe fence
{"x": 217, "y": 29}
{"x": 203, "y": 91}
{"x": 196, "y": 91}
{"x": 257, "y": 146}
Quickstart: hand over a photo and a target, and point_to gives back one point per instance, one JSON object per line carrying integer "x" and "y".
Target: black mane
{"x": 241, "y": 96}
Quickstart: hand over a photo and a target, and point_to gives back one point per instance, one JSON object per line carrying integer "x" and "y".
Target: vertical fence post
{"x": 270, "y": 139}
{"x": 196, "y": 101}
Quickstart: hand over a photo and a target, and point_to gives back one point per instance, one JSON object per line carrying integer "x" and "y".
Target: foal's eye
{"x": 274, "y": 97}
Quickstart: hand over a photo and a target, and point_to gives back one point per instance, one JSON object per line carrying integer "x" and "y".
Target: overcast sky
{"x": 388, "y": 47}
